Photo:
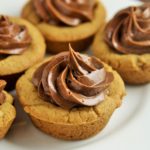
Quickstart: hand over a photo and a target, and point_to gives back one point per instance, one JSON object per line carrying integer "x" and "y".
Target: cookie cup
{"x": 75, "y": 124}
{"x": 134, "y": 69}
{"x": 58, "y": 37}
{"x": 7, "y": 115}
{"x": 13, "y": 66}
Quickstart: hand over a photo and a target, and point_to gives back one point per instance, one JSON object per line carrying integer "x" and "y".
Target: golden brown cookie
{"x": 12, "y": 66}
{"x": 58, "y": 37}
{"x": 125, "y": 44}
{"x": 134, "y": 69}
{"x": 77, "y": 123}
{"x": 7, "y": 113}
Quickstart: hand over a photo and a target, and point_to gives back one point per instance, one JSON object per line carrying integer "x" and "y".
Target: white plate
{"x": 128, "y": 128}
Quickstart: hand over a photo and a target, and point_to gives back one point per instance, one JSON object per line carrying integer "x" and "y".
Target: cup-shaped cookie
{"x": 7, "y": 110}
{"x": 21, "y": 46}
{"x": 70, "y": 96}
{"x": 125, "y": 44}
{"x": 63, "y": 22}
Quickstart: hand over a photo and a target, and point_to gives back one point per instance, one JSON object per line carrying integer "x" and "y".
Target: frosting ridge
{"x": 71, "y": 79}
{"x": 68, "y": 12}
{"x": 129, "y": 30}
{"x": 14, "y": 39}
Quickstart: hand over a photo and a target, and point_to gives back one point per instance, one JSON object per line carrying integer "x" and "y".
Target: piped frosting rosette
{"x": 71, "y": 79}
{"x": 14, "y": 39}
{"x": 129, "y": 30}
{"x": 68, "y": 12}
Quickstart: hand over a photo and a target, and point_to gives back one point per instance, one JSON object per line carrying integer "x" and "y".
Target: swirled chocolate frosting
{"x": 14, "y": 39}
{"x": 2, "y": 95}
{"x": 68, "y": 12}
{"x": 70, "y": 79}
{"x": 129, "y": 30}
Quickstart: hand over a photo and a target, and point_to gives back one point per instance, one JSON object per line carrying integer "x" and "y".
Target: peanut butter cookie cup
{"x": 7, "y": 110}
{"x": 125, "y": 44}
{"x": 21, "y": 46}
{"x": 70, "y": 96}
{"x": 63, "y": 22}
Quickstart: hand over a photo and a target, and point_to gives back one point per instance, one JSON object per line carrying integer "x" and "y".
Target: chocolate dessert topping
{"x": 71, "y": 79}
{"x": 68, "y": 12}
{"x": 14, "y": 39}
{"x": 129, "y": 30}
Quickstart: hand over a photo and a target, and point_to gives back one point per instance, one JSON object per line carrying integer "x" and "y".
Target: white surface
{"x": 128, "y": 128}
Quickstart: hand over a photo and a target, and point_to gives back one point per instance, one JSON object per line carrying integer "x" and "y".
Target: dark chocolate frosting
{"x": 2, "y": 95}
{"x": 68, "y": 12}
{"x": 71, "y": 79}
{"x": 129, "y": 30}
{"x": 14, "y": 39}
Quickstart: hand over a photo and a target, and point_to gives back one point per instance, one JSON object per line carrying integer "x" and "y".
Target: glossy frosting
{"x": 70, "y": 79}
{"x": 129, "y": 30}
{"x": 68, "y": 12}
{"x": 14, "y": 39}
{"x": 2, "y": 95}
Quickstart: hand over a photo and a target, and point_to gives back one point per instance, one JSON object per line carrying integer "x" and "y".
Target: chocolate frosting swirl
{"x": 68, "y": 12}
{"x": 2, "y": 95}
{"x": 129, "y": 30}
{"x": 14, "y": 39}
{"x": 70, "y": 79}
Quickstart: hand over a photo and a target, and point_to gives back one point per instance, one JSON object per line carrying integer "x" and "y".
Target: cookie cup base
{"x": 134, "y": 69}
{"x": 58, "y": 37}
{"x": 75, "y": 124}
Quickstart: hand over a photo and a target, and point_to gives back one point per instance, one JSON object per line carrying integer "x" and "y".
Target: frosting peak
{"x": 70, "y": 79}
{"x": 129, "y": 30}
{"x": 69, "y": 12}
{"x": 14, "y": 39}
{"x": 2, "y": 95}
